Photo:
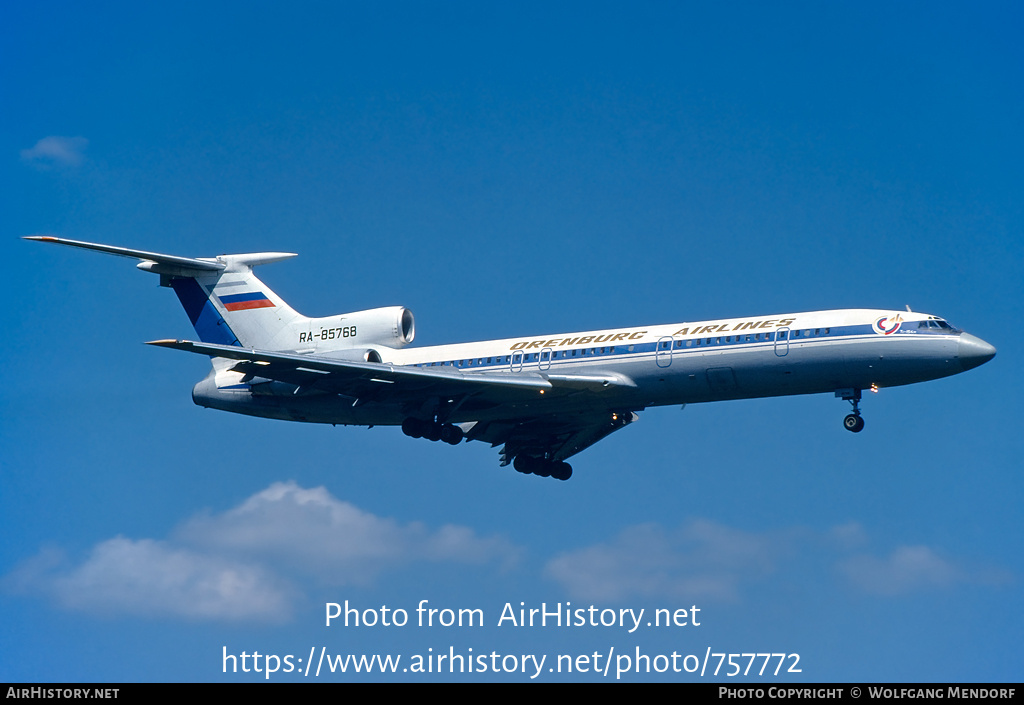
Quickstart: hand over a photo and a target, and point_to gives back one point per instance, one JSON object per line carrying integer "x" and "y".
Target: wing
{"x": 554, "y": 437}
{"x": 526, "y": 429}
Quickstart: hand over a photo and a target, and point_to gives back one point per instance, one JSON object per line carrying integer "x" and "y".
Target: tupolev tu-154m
{"x": 542, "y": 398}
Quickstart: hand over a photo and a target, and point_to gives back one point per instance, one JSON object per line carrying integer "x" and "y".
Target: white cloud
{"x": 247, "y": 562}
{"x": 850, "y": 535}
{"x": 906, "y": 569}
{"x": 243, "y": 563}
{"x": 55, "y": 151}
{"x": 709, "y": 561}
{"x": 317, "y": 534}
{"x": 700, "y": 560}
{"x": 153, "y": 578}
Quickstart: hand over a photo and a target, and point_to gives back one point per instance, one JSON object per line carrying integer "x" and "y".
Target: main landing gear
{"x": 417, "y": 428}
{"x": 853, "y": 422}
{"x": 529, "y": 465}
{"x": 453, "y": 435}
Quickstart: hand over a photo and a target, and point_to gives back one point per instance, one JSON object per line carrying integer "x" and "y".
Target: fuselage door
{"x": 782, "y": 342}
{"x": 663, "y": 351}
{"x": 544, "y": 361}
{"x": 516, "y": 363}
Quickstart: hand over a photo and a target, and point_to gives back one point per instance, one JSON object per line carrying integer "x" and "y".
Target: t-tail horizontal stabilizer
{"x": 224, "y": 300}
{"x": 202, "y": 264}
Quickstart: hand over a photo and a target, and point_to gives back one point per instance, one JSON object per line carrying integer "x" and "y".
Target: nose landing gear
{"x": 853, "y": 422}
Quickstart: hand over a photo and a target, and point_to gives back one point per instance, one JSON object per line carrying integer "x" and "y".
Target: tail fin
{"x": 225, "y": 301}
{"x": 233, "y": 307}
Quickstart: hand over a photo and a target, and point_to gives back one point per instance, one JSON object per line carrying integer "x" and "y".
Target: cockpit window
{"x": 936, "y": 324}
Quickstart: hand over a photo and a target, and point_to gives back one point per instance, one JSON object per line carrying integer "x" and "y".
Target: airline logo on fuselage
{"x": 887, "y": 325}
{"x": 716, "y": 328}
{"x": 708, "y": 329}
{"x": 581, "y": 340}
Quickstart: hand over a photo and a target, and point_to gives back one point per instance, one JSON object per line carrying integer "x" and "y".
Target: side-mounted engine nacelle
{"x": 355, "y": 355}
{"x": 392, "y": 326}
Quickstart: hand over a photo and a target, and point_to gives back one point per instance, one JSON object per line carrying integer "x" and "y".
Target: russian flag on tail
{"x": 243, "y": 302}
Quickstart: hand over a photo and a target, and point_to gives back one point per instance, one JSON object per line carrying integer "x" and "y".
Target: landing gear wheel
{"x": 541, "y": 467}
{"x": 562, "y": 471}
{"x": 413, "y": 427}
{"x": 451, "y": 434}
{"x": 853, "y": 423}
{"x": 523, "y": 464}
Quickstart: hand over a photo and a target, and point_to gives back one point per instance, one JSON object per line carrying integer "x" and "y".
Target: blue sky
{"x": 504, "y": 170}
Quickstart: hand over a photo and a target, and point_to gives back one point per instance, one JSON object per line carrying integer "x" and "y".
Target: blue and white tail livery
{"x": 542, "y": 398}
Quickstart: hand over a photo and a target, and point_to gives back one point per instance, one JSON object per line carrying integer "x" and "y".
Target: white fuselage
{"x": 544, "y": 398}
{"x": 738, "y": 358}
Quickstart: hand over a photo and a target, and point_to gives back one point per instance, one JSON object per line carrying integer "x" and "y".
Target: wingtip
{"x": 41, "y": 238}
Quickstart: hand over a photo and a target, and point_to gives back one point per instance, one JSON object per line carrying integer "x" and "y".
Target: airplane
{"x": 542, "y": 398}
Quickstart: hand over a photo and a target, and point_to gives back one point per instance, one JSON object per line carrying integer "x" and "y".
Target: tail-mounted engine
{"x": 393, "y": 327}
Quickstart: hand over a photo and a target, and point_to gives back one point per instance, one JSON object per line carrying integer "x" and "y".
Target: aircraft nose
{"x": 974, "y": 351}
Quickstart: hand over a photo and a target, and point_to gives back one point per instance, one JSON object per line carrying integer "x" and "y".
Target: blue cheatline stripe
{"x": 719, "y": 341}
{"x": 209, "y": 324}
